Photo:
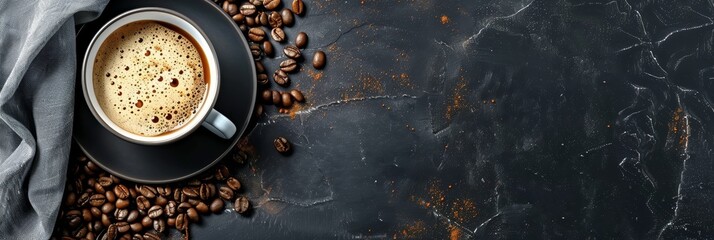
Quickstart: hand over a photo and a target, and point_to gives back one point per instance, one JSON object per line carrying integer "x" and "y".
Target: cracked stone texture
{"x": 488, "y": 119}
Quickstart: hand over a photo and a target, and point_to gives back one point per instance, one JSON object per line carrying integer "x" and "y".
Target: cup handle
{"x": 219, "y": 125}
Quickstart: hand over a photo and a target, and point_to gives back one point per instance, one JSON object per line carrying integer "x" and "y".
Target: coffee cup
{"x": 151, "y": 76}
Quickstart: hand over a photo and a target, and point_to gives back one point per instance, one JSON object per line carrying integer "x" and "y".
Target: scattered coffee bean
{"x": 301, "y": 40}
{"x": 247, "y": 9}
{"x": 288, "y": 65}
{"x": 233, "y": 183}
{"x": 121, "y": 214}
{"x": 105, "y": 181}
{"x": 142, "y": 203}
{"x": 105, "y": 220}
{"x": 287, "y": 16}
{"x": 83, "y": 199}
{"x": 122, "y": 227}
{"x": 111, "y": 197}
{"x": 191, "y": 191}
{"x": 122, "y": 203}
{"x": 256, "y": 34}
{"x": 111, "y": 232}
{"x": 298, "y": 7}
{"x": 278, "y": 34}
{"x": 152, "y": 236}
{"x": 241, "y": 205}
{"x": 232, "y": 9}
{"x": 170, "y": 209}
{"x": 255, "y": 50}
{"x": 268, "y": 48}
{"x": 318, "y": 61}
{"x": 222, "y": 173}
{"x": 262, "y": 79}
{"x": 121, "y": 191}
{"x": 216, "y": 206}
{"x": 108, "y": 208}
{"x": 276, "y": 98}
{"x": 262, "y": 18}
{"x": 258, "y": 110}
{"x": 97, "y": 200}
{"x": 181, "y": 222}
{"x": 271, "y": 4}
{"x": 146, "y": 221}
{"x": 95, "y": 212}
{"x": 281, "y": 78}
{"x": 267, "y": 96}
{"x": 86, "y": 215}
{"x": 194, "y": 201}
{"x": 259, "y": 67}
{"x": 155, "y": 211}
{"x": 136, "y": 227}
{"x": 281, "y": 145}
{"x": 159, "y": 225}
{"x": 275, "y": 20}
{"x": 133, "y": 216}
{"x": 147, "y": 191}
{"x": 238, "y": 18}
{"x": 292, "y": 52}
{"x": 287, "y": 100}
{"x": 183, "y": 207}
{"x": 192, "y": 214}
{"x": 226, "y": 193}
{"x": 297, "y": 95}
{"x": 204, "y": 192}
{"x": 161, "y": 200}
{"x": 257, "y": 3}
{"x": 250, "y": 22}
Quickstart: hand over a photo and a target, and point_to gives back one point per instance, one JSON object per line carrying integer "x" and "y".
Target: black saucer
{"x": 196, "y": 152}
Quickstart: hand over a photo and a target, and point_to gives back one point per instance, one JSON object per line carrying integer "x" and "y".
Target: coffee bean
{"x": 225, "y": 6}
{"x": 281, "y": 78}
{"x": 267, "y": 96}
{"x": 275, "y": 20}
{"x": 170, "y": 209}
{"x": 133, "y": 216}
{"x": 98, "y": 226}
{"x": 142, "y": 204}
{"x": 202, "y": 208}
{"x": 98, "y": 188}
{"x": 178, "y": 195}
{"x": 105, "y": 181}
{"x": 193, "y": 215}
{"x": 250, "y": 22}
{"x": 121, "y": 191}
{"x": 216, "y": 205}
{"x": 271, "y": 4}
{"x": 247, "y": 9}
{"x": 204, "y": 192}
{"x": 281, "y": 145}
{"x": 238, "y": 18}
{"x": 69, "y": 199}
{"x": 318, "y": 61}
{"x": 155, "y": 211}
{"x": 152, "y": 236}
{"x": 86, "y": 215}
{"x": 95, "y": 212}
{"x": 259, "y": 67}
{"x": 257, "y": 3}
{"x": 233, "y": 183}
{"x": 91, "y": 235}
{"x": 256, "y": 34}
{"x": 137, "y": 236}
{"x": 122, "y": 203}
{"x": 276, "y": 97}
{"x": 191, "y": 191}
{"x": 297, "y": 95}
{"x": 287, "y": 100}
{"x": 183, "y": 207}
{"x": 301, "y": 40}
{"x": 277, "y": 34}
{"x": 160, "y": 224}
{"x": 241, "y": 205}
{"x": 193, "y": 201}
{"x": 262, "y": 18}
{"x": 232, "y": 9}
{"x": 132, "y": 193}
{"x": 292, "y": 52}
{"x": 161, "y": 200}
{"x": 146, "y": 191}
{"x": 111, "y": 232}
{"x": 298, "y": 7}
{"x": 287, "y": 17}
{"x": 83, "y": 199}
{"x": 82, "y": 232}
{"x": 262, "y": 79}
{"x": 268, "y": 48}
{"x": 121, "y": 214}
{"x": 92, "y": 166}
{"x": 226, "y": 193}
{"x": 122, "y": 227}
{"x": 181, "y": 222}
{"x": 74, "y": 218}
{"x": 146, "y": 221}
{"x": 107, "y": 208}
{"x": 164, "y": 191}
{"x": 258, "y": 110}
{"x": 255, "y": 50}
{"x": 105, "y": 220}
{"x": 97, "y": 200}
{"x": 288, "y": 65}
{"x": 222, "y": 172}
{"x": 243, "y": 28}
{"x": 111, "y": 197}
{"x": 136, "y": 227}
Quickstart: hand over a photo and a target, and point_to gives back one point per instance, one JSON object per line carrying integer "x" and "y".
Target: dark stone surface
{"x": 440, "y": 119}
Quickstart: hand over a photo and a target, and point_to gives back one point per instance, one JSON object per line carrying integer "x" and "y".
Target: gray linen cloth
{"x": 37, "y": 75}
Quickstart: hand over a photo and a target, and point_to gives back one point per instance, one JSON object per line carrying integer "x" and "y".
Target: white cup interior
{"x": 158, "y": 15}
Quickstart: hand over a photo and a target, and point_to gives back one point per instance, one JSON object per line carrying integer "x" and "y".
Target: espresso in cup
{"x": 149, "y": 78}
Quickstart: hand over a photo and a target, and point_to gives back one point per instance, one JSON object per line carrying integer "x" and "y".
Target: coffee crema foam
{"x": 149, "y": 79}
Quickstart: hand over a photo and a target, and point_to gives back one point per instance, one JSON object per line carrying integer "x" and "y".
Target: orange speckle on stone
{"x": 454, "y": 233}
{"x": 444, "y": 19}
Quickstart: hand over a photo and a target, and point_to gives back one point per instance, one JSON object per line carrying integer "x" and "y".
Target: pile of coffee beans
{"x": 261, "y": 21}
{"x": 98, "y": 205}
